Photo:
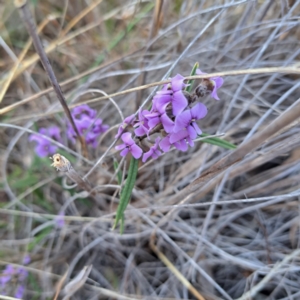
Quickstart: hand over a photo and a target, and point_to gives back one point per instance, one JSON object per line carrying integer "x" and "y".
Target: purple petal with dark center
{"x": 124, "y": 152}
{"x": 127, "y": 139}
{"x": 140, "y": 131}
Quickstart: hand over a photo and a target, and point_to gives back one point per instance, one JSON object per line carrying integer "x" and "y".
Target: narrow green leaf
{"x": 191, "y": 81}
{"x": 218, "y": 142}
{"x": 127, "y": 190}
{"x": 119, "y": 174}
{"x": 39, "y": 238}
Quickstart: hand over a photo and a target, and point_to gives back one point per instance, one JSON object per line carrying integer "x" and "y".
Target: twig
{"x": 31, "y": 28}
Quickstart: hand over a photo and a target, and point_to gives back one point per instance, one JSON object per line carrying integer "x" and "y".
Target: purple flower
{"x": 22, "y": 274}
{"x": 129, "y": 146}
{"x": 215, "y": 82}
{"x": 160, "y": 116}
{"x": 87, "y": 125}
{"x": 84, "y": 109}
{"x": 59, "y": 220}
{"x": 153, "y": 152}
{"x": 6, "y": 275}
{"x": 143, "y": 127}
{"x": 125, "y": 123}
{"x": 173, "y": 95}
{"x": 26, "y": 259}
{"x": 20, "y": 292}
{"x": 44, "y": 147}
{"x": 165, "y": 144}
{"x": 186, "y": 122}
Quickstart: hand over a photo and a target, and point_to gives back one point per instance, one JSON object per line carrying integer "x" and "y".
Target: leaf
{"x": 218, "y": 142}
{"x": 126, "y": 191}
{"x": 191, "y": 81}
{"x": 119, "y": 174}
{"x": 39, "y": 238}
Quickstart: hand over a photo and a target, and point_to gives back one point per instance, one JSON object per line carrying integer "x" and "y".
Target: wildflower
{"x": 59, "y": 220}
{"x": 87, "y": 124}
{"x": 212, "y": 84}
{"x": 160, "y": 116}
{"x": 129, "y": 146}
{"x": 44, "y": 147}
{"x": 173, "y": 95}
{"x": 153, "y": 152}
{"x": 26, "y": 259}
{"x": 20, "y": 292}
{"x": 84, "y": 109}
{"x": 142, "y": 123}
{"x": 6, "y": 275}
{"x": 125, "y": 123}
{"x": 186, "y": 121}
{"x": 165, "y": 144}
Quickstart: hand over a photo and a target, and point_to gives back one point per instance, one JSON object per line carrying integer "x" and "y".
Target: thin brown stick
{"x": 31, "y": 28}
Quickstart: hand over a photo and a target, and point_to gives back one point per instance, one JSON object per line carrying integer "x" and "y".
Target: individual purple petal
{"x": 153, "y": 151}
{"x": 120, "y": 147}
{"x": 192, "y": 132}
{"x": 214, "y": 93}
{"x": 196, "y": 128}
{"x": 179, "y": 103}
{"x": 6, "y": 275}
{"x": 26, "y": 259}
{"x": 175, "y": 137}
{"x": 177, "y": 83}
{"x": 199, "y": 72}
{"x": 128, "y": 120}
{"x": 167, "y": 123}
{"x": 182, "y": 120}
{"x": 140, "y": 131}
{"x": 181, "y": 145}
{"x": 124, "y": 152}
{"x": 165, "y": 144}
{"x": 198, "y": 111}
{"x": 218, "y": 81}
{"x": 54, "y": 132}
{"x": 136, "y": 151}
{"x": 127, "y": 139}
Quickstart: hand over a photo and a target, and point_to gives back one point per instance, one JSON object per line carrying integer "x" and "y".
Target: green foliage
{"x": 218, "y": 142}
{"x": 191, "y": 81}
{"x": 39, "y": 238}
{"x": 126, "y": 192}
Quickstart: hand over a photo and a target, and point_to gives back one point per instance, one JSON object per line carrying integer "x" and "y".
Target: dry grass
{"x": 190, "y": 233}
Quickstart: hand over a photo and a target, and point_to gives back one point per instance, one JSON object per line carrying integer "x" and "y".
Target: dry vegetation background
{"x": 234, "y": 237}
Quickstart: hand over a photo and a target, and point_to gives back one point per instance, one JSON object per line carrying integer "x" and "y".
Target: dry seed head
{"x": 61, "y": 163}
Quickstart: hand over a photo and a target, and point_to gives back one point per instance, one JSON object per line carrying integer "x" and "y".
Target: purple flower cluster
{"x": 172, "y": 115}
{"x": 16, "y": 275}
{"x": 87, "y": 123}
